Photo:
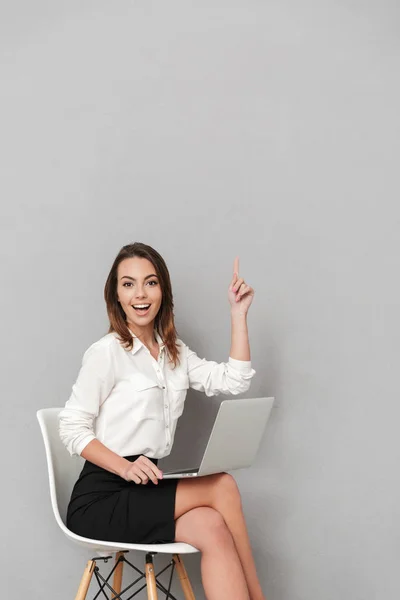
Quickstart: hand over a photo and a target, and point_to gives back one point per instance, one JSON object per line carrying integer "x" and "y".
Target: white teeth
{"x": 141, "y": 305}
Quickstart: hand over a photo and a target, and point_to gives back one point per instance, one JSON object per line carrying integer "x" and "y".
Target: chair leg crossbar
{"x": 151, "y": 579}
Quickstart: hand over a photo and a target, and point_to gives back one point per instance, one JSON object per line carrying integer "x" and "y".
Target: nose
{"x": 140, "y": 295}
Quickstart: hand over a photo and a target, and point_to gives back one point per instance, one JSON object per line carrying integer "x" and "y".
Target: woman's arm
{"x": 240, "y": 347}
{"x": 232, "y": 377}
{"x": 139, "y": 471}
{"x": 240, "y": 296}
{"x": 93, "y": 385}
{"x": 98, "y": 454}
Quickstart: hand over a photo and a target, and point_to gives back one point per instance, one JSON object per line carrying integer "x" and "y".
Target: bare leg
{"x": 221, "y": 492}
{"x": 221, "y": 570}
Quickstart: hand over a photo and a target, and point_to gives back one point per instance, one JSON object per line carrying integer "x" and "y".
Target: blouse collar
{"x": 139, "y": 343}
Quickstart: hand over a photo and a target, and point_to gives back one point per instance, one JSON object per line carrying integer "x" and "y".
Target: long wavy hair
{"x": 164, "y": 322}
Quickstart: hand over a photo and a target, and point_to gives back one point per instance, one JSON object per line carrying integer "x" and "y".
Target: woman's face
{"x": 137, "y": 283}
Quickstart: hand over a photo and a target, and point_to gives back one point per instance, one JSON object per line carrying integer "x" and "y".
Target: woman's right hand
{"x": 141, "y": 470}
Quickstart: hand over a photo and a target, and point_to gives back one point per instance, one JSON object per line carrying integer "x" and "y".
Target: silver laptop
{"x": 235, "y": 437}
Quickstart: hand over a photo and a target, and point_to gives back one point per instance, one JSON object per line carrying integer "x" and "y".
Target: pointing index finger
{"x": 236, "y": 266}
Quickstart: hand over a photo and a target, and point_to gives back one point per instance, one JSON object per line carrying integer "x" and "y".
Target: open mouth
{"x": 142, "y": 309}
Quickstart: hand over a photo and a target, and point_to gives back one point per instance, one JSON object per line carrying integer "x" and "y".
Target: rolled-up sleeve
{"x": 213, "y": 378}
{"x": 93, "y": 385}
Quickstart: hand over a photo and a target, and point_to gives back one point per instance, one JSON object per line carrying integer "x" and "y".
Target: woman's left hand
{"x": 240, "y": 294}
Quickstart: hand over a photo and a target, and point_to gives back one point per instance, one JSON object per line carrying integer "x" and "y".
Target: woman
{"x": 121, "y": 417}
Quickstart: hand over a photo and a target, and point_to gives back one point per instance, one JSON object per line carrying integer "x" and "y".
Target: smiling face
{"x": 138, "y": 284}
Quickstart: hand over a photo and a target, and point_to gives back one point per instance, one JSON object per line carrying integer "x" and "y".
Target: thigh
{"x": 205, "y": 491}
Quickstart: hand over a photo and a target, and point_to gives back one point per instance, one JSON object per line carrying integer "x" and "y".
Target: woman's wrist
{"x": 125, "y": 464}
{"x": 238, "y": 316}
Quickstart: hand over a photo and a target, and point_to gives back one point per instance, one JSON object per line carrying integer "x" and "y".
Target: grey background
{"x": 268, "y": 130}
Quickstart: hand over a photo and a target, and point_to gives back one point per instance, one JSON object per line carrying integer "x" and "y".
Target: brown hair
{"x": 164, "y": 321}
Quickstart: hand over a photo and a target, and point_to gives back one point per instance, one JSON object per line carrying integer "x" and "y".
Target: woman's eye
{"x": 130, "y": 283}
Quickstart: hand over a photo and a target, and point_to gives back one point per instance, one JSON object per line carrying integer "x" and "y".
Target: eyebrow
{"x": 133, "y": 279}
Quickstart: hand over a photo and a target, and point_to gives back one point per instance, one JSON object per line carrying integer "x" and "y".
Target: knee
{"x": 227, "y": 489}
{"x": 205, "y": 528}
{"x": 216, "y": 532}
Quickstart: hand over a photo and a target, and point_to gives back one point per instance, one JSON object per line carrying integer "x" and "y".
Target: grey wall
{"x": 268, "y": 130}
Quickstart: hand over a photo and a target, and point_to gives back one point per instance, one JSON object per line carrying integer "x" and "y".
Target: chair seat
{"x": 105, "y": 548}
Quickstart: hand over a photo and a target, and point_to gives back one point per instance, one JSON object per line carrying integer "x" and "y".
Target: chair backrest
{"x": 63, "y": 469}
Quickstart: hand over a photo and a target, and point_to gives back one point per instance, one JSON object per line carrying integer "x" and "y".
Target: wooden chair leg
{"x": 150, "y": 578}
{"x": 85, "y": 581}
{"x": 117, "y": 581}
{"x": 183, "y": 578}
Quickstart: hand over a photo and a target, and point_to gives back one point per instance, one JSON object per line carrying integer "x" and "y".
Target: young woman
{"x": 122, "y": 415}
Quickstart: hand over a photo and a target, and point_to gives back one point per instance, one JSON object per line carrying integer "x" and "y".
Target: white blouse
{"x": 131, "y": 402}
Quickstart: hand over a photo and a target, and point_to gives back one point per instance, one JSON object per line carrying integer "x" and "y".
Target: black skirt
{"x": 103, "y": 506}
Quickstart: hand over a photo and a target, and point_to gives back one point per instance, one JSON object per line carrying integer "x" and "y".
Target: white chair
{"x": 63, "y": 471}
